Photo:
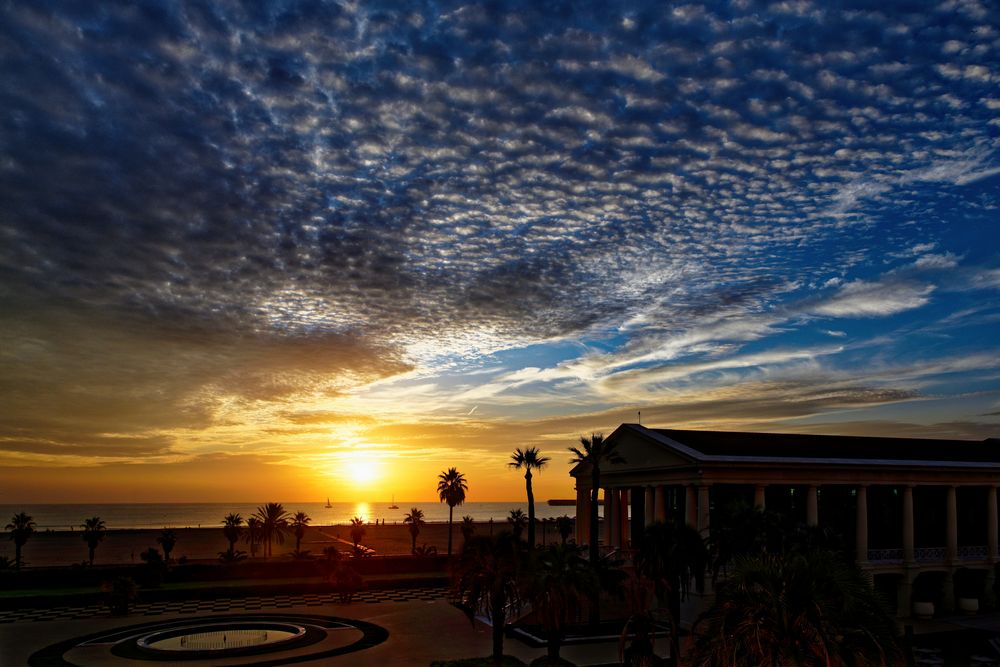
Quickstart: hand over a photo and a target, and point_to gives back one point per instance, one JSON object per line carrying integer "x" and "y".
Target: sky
{"x": 291, "y": 250}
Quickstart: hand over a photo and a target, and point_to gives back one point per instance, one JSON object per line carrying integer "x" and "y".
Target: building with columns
{"x": 919, "y": 515}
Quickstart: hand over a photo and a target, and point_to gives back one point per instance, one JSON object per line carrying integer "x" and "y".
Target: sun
{"x": 363, "y": 472}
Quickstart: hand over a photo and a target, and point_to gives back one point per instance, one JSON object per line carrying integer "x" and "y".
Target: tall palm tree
{"x": 795, "y": 609}
{"x": 529, "y": 459}
{"x": 451, "y": 489}
{"x": 357, "y": 531}
{"x": 168, "y": 540}
{"x": 273, "y": 523}
{"x": 517, "y": 521}
{"x": 93, "y": 534}
{"x": 416, "y": 519}
{"x": 595, "y": 452}
{"x": 671, "y": 555}
{"x": 253, "y": 535}
{"x": 299, "y": 523}
{"x": 21, "y": 527}
{"x": 558, "y": 583}
{"x": 232, "y": 527}
{"x": 487, "y": 580}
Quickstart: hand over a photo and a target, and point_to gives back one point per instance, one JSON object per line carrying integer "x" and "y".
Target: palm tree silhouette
{"x": 273, "y": 523}
{"x": 529, "y": 459}
{"x": 167, "y": 539}
{"x": 795, "y": 608}
{"x": 595, "y": 452}
{"x": 357, "y": 531}
{"x": 451, "y": 489}
{"x": 253, "y": 534}
{"x": 416, "y": 519}
{"x": 517, "y": 521}
{"x": 21, "y": 527}
{"x": 299, "y": 523}
{"x": 488, "y": 574}
{"x": 93, "y": 534}
{"x": 671, "y": 556}
{"x": 467, "y": 528}
{"x": 231, "y": 528}
{"x": 558, "y": 583}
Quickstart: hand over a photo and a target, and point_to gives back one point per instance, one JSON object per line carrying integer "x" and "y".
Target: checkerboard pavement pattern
{"x": 265, "y": 603}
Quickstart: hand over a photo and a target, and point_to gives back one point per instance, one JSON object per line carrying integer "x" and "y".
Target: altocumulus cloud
{"x": 357, "y": 190}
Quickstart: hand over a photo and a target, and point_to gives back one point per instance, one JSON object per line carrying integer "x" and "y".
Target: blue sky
{"x": 285, "y": 232}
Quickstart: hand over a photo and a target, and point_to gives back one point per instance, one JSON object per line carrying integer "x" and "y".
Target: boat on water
{"x": 328, "y": 505}
{"x": 394, "y": 506}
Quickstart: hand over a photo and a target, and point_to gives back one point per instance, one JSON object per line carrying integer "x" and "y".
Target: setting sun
{"x": 363, "y": 472}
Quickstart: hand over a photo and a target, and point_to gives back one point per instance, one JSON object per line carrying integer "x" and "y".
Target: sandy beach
{"x": 54, "y": 548}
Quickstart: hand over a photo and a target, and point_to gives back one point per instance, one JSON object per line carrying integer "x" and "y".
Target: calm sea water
{"x": 207, "y": 515}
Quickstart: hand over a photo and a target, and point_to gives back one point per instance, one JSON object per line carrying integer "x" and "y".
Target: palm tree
{"x": 21, "y": 527}
{"x": 299, "y": 523}
{"x": 357, "y": 531}
{"x": 93, "y": 534}
{"x": 467, "y": 528}
{"x": 451, "y": 489}
{"x": 416, "y": 519}
{"x": 595, "y": 453}
{"x": 253, "y": 534}
{"x": 487, "y": 580}
{"x": 517, "y": 521}
{"x": 529, "y": 459}
{"x": 232, "y": 528}
{"x": 671, "y": 556}
{"x": 795, "y": 608}
{"x": 273, "y": 523}
{"x": 558, "y": 583}
{"x": 564, "y": 525}
{"x": 167, "y": 539}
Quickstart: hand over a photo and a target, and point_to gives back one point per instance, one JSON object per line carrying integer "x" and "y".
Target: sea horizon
{"x": 121, "y": 516}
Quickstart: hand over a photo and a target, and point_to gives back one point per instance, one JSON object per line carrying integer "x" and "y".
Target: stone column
{"x": 758, "y": 496}
{"x": 660, "y": 513}
{"x": 623, "y": 502}
{"x": 649, "y": 510}
{"x": 812, "y": 506}
{"x": 610, "y": 517}
{"x": 909, "y": 555}
{"x": 703, "y": 510}
{"x": 951, "y": 524}
{"x": 861, "y": 527}
{"x": 690, "y": 505}
{"x": 991, "y": 524}
{"x": 582, "y": 515}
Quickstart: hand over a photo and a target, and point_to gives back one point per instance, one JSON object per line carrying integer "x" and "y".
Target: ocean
{"x": 210, "y": 515}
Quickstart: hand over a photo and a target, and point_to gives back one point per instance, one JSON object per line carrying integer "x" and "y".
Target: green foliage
{"x": 273, "y": 524}
{"x": 232, "y": 528}
{"x": 801, "y": 608}
{"x": 467, "y": 527}
{"x": 564, "y": 525}
{"x": 358, "y": 531}
{"x": 518, "y": 521}
{"x": 487, "y": 576}
{"x": 299, "y": 523}
{"x": 120, "y": 594}
{"x": 168, "y": 540}
{"x": 155, "y": 569}
{"x": 558, "y": 581}
{"x": 424, "y": 550}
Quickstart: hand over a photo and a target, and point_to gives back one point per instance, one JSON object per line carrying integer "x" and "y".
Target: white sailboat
{"x": 328, "y": 505}
{"x": 394, "y": 506}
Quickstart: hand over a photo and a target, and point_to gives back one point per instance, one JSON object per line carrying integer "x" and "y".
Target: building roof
{"x": 859, "y": 448}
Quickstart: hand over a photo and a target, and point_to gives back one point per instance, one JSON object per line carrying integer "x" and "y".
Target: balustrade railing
{"x": 885, "y": 555}
{"x": 977, "y": 552}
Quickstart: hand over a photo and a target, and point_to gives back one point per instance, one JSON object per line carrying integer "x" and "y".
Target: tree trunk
{"x": 91, "y": 552}
{"x": 451, "y": 509}
{"x": 675, "y": 616}
{"x": 595, "y": 599}
{"x": 413, "y": 543}
{"x": 552, "y": 649}
{"x": 531, "y": 510}
{"x": 17, "y": 555}
{"x": 498, "y": 616}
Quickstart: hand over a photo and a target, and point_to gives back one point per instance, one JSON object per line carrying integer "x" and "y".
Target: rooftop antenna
{"x": 638, "y": 416}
